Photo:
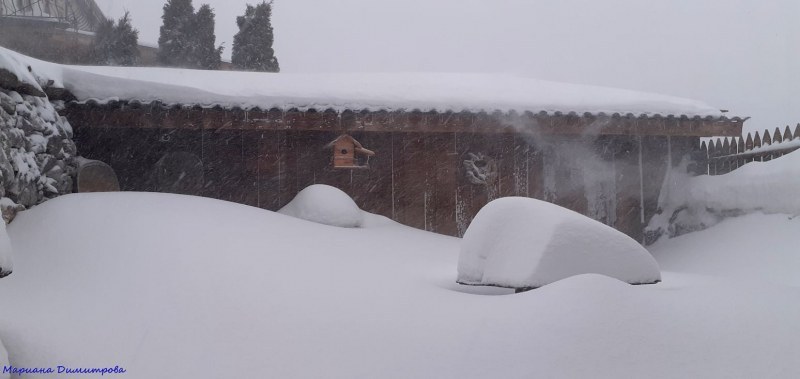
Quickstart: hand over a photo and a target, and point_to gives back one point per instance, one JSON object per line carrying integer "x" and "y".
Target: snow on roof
{"x": 363, "y": 91}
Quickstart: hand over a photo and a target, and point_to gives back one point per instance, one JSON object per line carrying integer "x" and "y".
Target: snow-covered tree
{"x": 187, "y": 38}
{"x": 175, "y": 40}
{"x": 116, "y": 44}
{"x": 252, "y": 45}
{"x": 204, "y": 54}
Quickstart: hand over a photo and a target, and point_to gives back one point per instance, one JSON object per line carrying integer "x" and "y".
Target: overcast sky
{"x": 742, "y": 55}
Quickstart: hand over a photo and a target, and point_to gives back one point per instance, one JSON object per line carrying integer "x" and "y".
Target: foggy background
{"x": 740, "y": 55}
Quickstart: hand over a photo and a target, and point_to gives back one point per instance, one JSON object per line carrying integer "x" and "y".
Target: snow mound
{"x": 520, "y": 242}
{"x": 691, "y": 203}
{"x": 6, "y": 264}
{"x": 327, "y": 205}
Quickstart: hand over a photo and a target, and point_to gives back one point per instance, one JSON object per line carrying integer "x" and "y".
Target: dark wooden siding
{"x": 417, "y": 178}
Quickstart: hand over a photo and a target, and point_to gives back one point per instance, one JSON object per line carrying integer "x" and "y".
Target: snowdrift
{"x": 695, "y": 203}
{"x": 171, "y": 286}
{"x": 326, "y": 205}
{"x": 519, "y": 242}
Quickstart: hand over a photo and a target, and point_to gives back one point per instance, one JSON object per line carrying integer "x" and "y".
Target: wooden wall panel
{"x": 535, "y": 171}
{"x": 417, "y": 177}
{"x": 440, "y": 191}
{"x": 250, "y": 181}
{"x": 271, "y": 169}
{"x": 506, "y": 150}
{"x": 223, "y": 164}
{"x": 303, "y": 149}
{"x": 471, "y": 197}
{"x": 409, "y": 179}
{"x": 569, "y": 181}
{"x": 130, "y": 152}
{"x": 628, "y": 187}
{"x": 371, "y": 188}
{"x": 654, "y": 169}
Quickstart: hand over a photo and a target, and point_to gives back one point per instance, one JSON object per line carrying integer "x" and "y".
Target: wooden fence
{"x": 725, "y": 154}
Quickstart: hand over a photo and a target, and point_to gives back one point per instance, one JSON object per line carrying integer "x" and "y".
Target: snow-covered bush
{"x": 690, "y": 204}
{"x": 325, "y": 205}
{"x": 522, "y": 243}
{"x": 6, "y": 264}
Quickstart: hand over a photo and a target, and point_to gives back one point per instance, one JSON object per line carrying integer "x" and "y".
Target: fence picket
{"x": 726, "y": 152}
{"x": 740, "y": 161}
{"x": 776, "y": 137}
{"x": 704, "y": 161}
{"x": 756, "y": 141}
{"x": 749, "y": 144}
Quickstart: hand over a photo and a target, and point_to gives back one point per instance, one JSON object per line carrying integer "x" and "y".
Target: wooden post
{"x": 787, "y": 134}
{"x": 796, "y": 132}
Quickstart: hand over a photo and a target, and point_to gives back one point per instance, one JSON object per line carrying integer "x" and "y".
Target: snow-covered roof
{"x": 363, "y": 91}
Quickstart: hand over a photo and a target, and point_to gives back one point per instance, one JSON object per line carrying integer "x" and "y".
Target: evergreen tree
{"x": 116, "y": 45}
{"x": 103, "y": 42}
{"x": 204, "y": 54}
{"x": 252, "y": 45}
{"x": 175, "y": 40}
{"x": 187, "y": 38}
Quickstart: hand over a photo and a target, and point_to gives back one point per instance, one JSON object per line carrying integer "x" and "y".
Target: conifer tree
{"x": 187, "y": 38}
{"x": 116, "y": 44}
{"x": 175, "y": 40}
{"x": 204, "y": 54}
{"x": 252, "y": 45}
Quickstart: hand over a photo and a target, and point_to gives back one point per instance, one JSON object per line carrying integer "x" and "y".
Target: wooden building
{"x": 430, "y": 170}
{"x": 425, "y": 150}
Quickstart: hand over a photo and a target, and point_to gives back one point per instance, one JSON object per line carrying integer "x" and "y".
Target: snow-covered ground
{"x": 172, "y": 286}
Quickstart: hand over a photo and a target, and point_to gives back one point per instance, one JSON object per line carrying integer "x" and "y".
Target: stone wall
{"x": 37, "y": 153}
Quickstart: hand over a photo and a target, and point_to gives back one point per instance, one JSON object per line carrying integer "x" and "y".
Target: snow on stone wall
{"x": 36, "y": 152}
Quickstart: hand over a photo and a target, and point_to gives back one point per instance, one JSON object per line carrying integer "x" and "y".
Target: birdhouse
{"x": 349, "y": 153}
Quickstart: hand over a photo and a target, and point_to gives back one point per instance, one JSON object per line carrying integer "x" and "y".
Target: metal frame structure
{"x": 79, "y": 15}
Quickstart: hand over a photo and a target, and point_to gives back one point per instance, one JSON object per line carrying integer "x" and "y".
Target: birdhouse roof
{"x": 358, "y": 147}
